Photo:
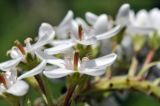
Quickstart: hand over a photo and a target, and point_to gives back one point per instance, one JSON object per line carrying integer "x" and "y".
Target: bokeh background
{"x": 21, "y": 18}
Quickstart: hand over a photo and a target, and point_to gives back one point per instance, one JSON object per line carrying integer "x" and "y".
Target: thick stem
{"x": 69, "y": 94}
{"x": 125, "y": 82}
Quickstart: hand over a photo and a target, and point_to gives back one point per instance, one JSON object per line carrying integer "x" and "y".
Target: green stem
{"x": 133, "y": 67}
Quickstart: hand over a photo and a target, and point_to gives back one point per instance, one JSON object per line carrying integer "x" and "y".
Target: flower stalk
{"x": 68, "y": 96}
{"x": 43, "y": 89}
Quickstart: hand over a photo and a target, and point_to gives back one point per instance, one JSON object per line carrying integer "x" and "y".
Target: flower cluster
{"x": 74, "y": 48}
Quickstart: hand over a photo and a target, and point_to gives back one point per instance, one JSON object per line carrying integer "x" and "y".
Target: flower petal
{"x": 20, "y": 88}
{"x": 15, "y": 53}
{"x": 50, "y": 59}
{"x": 11, "y": 76}
{"x": 59, "y": 48}
{"x": 123, "y": 15}
{"x": 74, "y": 30}
{"x": 34, "y": 71}
{"x": 67, "y": 19}
{"x": 94, "y": 71}
{"x": 88, "y": 41}
{"x": 45, "y": 39}
{"x": 58, "y": 42}
{"x": 139, "y": 30}
{"x": 155, "y": 16}
{"x": 58, "y": 73}
{"x": 45, "y": 30}
{"x": 142, "y": 19}
{"x": 81, "y": 22}
{"x": 109, "y": 33}
{"x": 9, "y": 64}
{"x": 101, "y": 24}
{"x": 101, "y": 61}
{"x": 91, "y": 18}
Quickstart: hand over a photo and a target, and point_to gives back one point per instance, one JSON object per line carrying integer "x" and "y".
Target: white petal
{"x": 155, "y": 16}
{"x": 50, "y": 59}
{"x": 101, "y": 61}
{"x": 80, "y": 21}
{"x": 20, "y": 88}
{"x": 67, "y": 19}
{"x": 142, "y": 19}
{"x": 45, "y": 30}
{"x": 132, "y": 17}
{"x": 123, "y": 15}
{"x": 59, "y": 48}
{"x": 109, "y": 33}
{"x": 74, "y": 30}
{"x": 34, "y": 71}
{"x": 94, "y": 71}
{"x": 11, "y": 76}
{"x": 89, "y": 41}
{"x": 58, "y": 42}
{"x": 9, "y": 64}
{"x": 45, "y": 39}
{"x": 91, "y": 18}
{"x": 101, "y": 24}
{"x": 15, "y": 53}
{"x": 139, "y": 30}
{"x": 58, "y": 73}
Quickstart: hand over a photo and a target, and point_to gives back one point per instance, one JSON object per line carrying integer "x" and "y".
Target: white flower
{"x": 140, "y": 23}
{"x": 19, "y": 53}
{"x": 10, "y": 84}
{"x": 62, "y": 30}
{"x": 123, "y": 15}
{"x": 45, "y": 35}
{"x": 83, "y": 34}
{"x": 9, "y": 64}
{"x": 101, "y": 23}
{"x": 94, "y": 67}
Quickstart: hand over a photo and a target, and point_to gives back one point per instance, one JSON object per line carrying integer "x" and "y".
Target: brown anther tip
{"x": 20, "y": 47}
{"x": 80, "y": 32}
{"x": 28, "y": 40}
{"x": 17, "y": 42}
{"x": 3, "y": 80}
{"x": 85, "y": 59}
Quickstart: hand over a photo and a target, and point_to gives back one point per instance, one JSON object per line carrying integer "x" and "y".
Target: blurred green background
{"x": 21, "y": 18}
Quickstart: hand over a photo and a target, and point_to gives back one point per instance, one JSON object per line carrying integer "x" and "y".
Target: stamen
{"x": 20, "y": 47}
{"x": 3, "y": 80}
{"x": 80, "y": 32}
{"x": 28, "y": 40}
{"x": 75, "y": 62}
{"x": 85, "y": 59}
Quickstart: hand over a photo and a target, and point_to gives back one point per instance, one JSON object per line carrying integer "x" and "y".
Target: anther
{"x": 28, "y": 40}
{"x": 20, "y": 47}
{"x": 3, "y": 80}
